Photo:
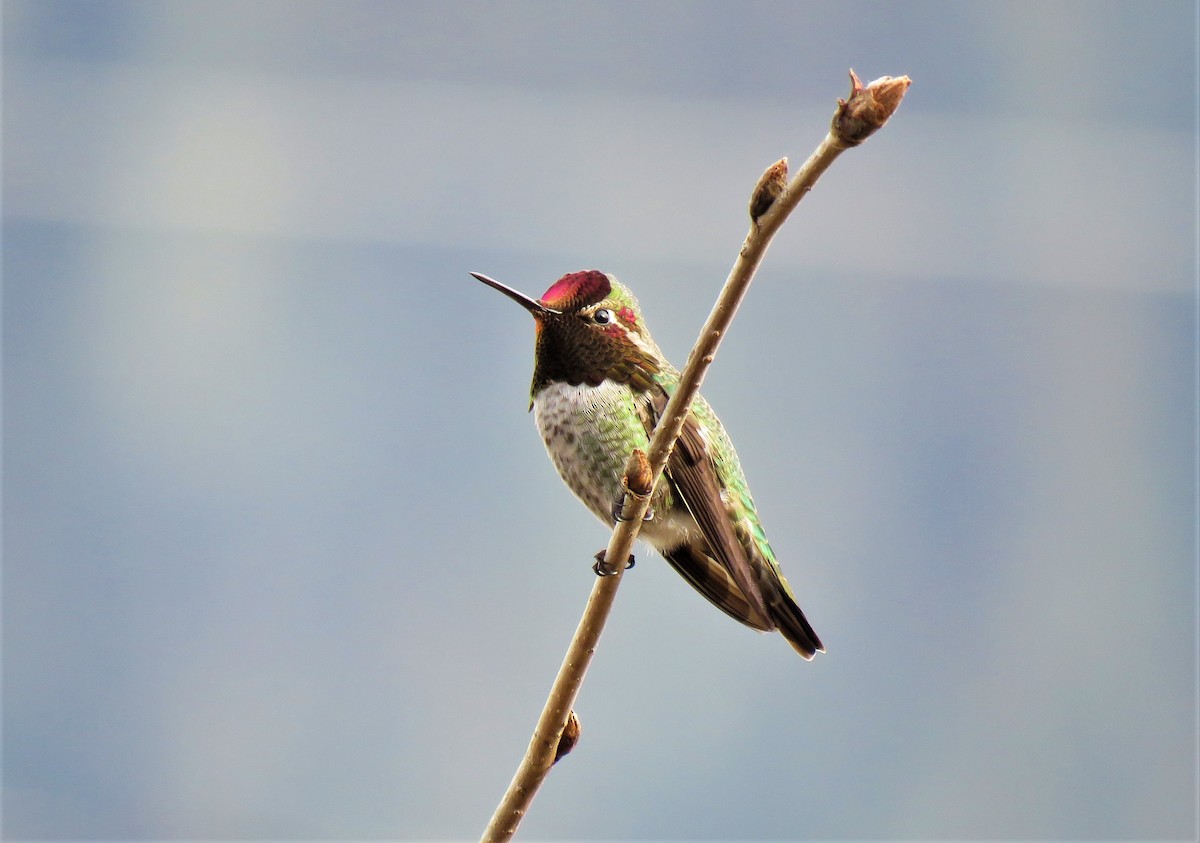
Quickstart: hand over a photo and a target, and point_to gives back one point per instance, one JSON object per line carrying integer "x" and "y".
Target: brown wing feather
{"x": 693, "y": 476}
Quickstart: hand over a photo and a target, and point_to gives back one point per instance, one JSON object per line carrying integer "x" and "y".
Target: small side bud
{"x": 637, "y": 474}
{"x": 868, "y": 108}
{"x": 569, "y": 737}
{"x": 769, "y": 188}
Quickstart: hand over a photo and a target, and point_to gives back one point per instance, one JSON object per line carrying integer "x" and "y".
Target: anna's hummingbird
{"x": 600, "y": 385}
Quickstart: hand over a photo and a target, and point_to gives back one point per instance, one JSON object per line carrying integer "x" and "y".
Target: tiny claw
{"x": 603, "y": 569}
{"x": 618, "y": 511}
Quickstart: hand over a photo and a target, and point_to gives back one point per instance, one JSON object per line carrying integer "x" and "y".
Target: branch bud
{"x": 769, "y": 188}
{"x": 569, "y": 737}
{"x": 637, "y": 474}
{"x": 868, "y": 108}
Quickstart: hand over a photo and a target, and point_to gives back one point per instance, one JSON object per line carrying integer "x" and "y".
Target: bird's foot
{"x": 618, "y": 511}
{"x": 603, "y": 569}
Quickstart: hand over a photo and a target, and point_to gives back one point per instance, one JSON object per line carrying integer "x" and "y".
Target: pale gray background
{"x": 284, "y": 558}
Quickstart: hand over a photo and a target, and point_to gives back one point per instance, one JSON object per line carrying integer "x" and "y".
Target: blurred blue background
{"x": 283, "y": 555}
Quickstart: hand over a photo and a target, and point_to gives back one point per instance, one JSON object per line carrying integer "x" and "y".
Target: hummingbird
{"x": 600, "y": 385}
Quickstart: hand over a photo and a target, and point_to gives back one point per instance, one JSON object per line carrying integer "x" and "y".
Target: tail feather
{"x": 710, "y": 578}
{"x": 790, "y": 620}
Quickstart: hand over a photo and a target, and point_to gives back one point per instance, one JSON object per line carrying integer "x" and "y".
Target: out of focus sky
{"x": 283, "y": 554}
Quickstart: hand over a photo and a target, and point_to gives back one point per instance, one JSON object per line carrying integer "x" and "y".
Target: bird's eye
{"x": 602, "y": 317}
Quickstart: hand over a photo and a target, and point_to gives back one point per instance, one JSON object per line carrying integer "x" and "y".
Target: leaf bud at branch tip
{"x": 868, "y": 108}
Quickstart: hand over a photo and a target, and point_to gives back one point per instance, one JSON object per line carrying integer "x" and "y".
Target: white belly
{"x": 589, "y": 432}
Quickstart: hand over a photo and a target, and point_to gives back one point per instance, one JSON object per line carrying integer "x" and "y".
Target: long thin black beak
{"x": 533, "y": 306}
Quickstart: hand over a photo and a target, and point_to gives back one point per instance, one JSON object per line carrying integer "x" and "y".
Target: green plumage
{"x": 600, "y": 384}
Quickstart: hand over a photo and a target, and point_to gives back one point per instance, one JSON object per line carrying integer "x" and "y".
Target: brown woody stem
{"x": 867, "y": 110}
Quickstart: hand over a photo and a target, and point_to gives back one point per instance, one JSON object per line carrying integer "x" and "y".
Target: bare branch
{"x": 867, "y": 109}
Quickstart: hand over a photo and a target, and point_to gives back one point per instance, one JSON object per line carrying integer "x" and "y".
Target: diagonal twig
{"x": 773, "y": 198}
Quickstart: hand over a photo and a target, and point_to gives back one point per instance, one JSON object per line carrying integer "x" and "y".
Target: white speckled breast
{"x": 589, "y": 432}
